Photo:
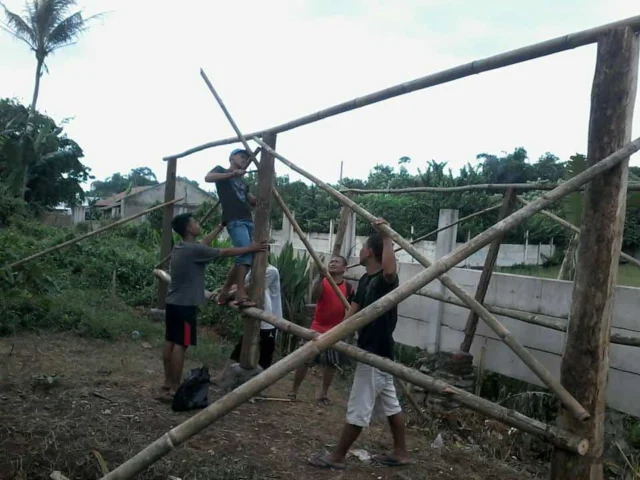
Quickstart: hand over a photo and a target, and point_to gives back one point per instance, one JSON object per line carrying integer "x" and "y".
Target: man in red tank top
{"x": 329, "y": 312}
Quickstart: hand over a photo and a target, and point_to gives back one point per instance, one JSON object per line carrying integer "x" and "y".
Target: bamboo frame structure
{"x": 487, "y": 187}
{"x": 616, "y": 151}
{"x": 73, "y": 241}
{"x": 533, "y": 363}
{"x": 520, "y": 55}
{"x": 224, "y": 405}
{"x": 573, "y": 228}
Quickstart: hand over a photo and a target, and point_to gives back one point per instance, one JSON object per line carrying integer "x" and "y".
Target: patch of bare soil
{"x": 70, "y": 404}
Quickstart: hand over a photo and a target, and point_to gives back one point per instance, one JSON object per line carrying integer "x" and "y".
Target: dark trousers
{"x": 267, "y": 347}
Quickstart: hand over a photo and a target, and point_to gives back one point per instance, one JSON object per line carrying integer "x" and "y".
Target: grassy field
{"x": 627, "y": 274}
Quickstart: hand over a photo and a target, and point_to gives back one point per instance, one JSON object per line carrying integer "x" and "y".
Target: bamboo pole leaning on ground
{"x": 438, "y": 230}
{"x": 575, "y": 229}
{"x": 489, "y": 187}
{"x": 547, "y": 321}
{"x": 510, "y": 417}
{"x": 88, "y": 235}
{"x": 533, "y": 363}
{"x": 519, "y": 55}
{"x": 202, "y": 220}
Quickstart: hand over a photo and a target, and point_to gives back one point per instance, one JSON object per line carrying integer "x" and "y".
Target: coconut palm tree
{"x": 46, "y": 26}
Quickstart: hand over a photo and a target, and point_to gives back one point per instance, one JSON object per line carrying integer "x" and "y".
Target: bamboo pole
{"x": 533, "y": 363}
{"x": 542, "y": 49}
{"x": 345, "y": 214}
{"x": 87, "y": 235}
{"x": 438, "y": 230}
{"x": 489, "y": 187}
{"x": 510, "y": 417}
{"x": 547, "y": 321}
{"x": 585, "y": 361}
{"x": 166, "y": 243}
{"x": 508, "y": 201}
{"x": 202, "y": 220}
{"x": 575, "y": 229}
{"x": 321, "y": 268}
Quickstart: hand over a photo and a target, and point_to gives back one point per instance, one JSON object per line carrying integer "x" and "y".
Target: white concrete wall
{"x": 510, "y": 254}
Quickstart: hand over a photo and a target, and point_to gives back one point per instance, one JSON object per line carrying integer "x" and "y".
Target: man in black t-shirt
{"x": 236, "y": 204}
{"x": 372, "y": 389}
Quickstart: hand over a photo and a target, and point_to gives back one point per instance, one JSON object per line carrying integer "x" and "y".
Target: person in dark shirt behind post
{"x": 189, "y": 259}
{"x": 372, "y": 387}
{"x": 236, "y": 204}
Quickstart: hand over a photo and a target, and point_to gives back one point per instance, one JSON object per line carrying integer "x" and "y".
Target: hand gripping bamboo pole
{"x": 553, "y": 434}
{"x": 478, "y": 242}
{"x": 438, "y": 230}
{"x": 575, "y": 229}
{"x": 88, "y": 235}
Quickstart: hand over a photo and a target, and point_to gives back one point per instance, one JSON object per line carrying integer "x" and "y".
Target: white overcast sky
{"x": 133, "y": 91}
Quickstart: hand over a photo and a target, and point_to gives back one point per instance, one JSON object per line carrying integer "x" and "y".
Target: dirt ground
{"x": 69, "y": 404}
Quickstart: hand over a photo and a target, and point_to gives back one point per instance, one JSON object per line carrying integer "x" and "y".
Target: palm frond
{"x": 19, "y": 28}
{"x": 65, "y": 32}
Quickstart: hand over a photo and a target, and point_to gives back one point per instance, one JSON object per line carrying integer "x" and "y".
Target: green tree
{"x": 47, "y": 26}
{"x": 56, "y": 173}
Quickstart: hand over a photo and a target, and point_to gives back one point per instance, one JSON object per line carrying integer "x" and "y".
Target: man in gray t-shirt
{"x": 189, "y": 260}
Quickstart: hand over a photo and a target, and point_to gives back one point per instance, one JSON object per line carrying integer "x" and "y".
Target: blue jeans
{"x": 241, "y": 233}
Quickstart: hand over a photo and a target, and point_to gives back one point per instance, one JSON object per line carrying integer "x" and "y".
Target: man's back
{"x": 188, "y": 264}
{"x": 377, "y": 336}
{"x": 232, "y": 193}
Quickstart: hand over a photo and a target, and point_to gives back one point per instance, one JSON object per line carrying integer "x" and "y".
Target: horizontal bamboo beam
{"x": 553, "y": 434}
{"x": 474, "y": 245}
{"x": 575, "y": 229}
{"x": 488, "y": 187}
{"x": 438, "y": 230}
{"x": 73, "y": 241}
{"x": 531, "y": 52}
{"x": 555, "y": 323}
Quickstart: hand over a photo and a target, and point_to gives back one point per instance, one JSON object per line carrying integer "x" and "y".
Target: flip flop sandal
{"x": 293, "y": 397}
{"x": 389, "y": 461}
{"x": 223, "y": 301}
{"x": 244, "y": 303}
{"x": 165, "y": 397}
{"x": 325, "y": 401}
{"x": 320, "y": 461}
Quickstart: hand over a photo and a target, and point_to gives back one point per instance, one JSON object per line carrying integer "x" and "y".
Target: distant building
{"x": 137, "y": 199}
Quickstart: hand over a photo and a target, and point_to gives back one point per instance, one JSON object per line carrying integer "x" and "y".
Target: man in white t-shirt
{"x": 272, "y": 304}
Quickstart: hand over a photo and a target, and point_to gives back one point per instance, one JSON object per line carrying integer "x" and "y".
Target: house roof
{"x": 117, "y": 198}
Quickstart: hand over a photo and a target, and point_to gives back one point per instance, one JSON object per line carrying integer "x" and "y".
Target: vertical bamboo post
{"x": 345, "y": 213}
{"x": 167, "y": 234}
{"x": 508, "y": 201}
{"x": 585, "y": 362}
{"x": 266, "y": 175}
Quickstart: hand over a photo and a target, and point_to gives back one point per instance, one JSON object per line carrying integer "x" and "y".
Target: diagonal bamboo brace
{"x": 553, "y": 434}
{"x": 573, "y": 228}
{"x": 478, "y": 242}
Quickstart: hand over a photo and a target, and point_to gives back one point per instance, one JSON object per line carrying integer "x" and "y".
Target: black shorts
{"x": 181, "y": 325}
{"x": 267, "y": 347}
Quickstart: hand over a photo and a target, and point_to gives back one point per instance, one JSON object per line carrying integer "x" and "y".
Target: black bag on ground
{"x": 193, "y": 392}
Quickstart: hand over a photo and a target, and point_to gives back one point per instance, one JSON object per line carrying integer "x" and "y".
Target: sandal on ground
{"x": 321, "y": 461}
{"x": 244, "y": 303}
{"x": 293, "y": 397}
{"x": 326, "y": 401}
{"x": 390, "y": 461}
